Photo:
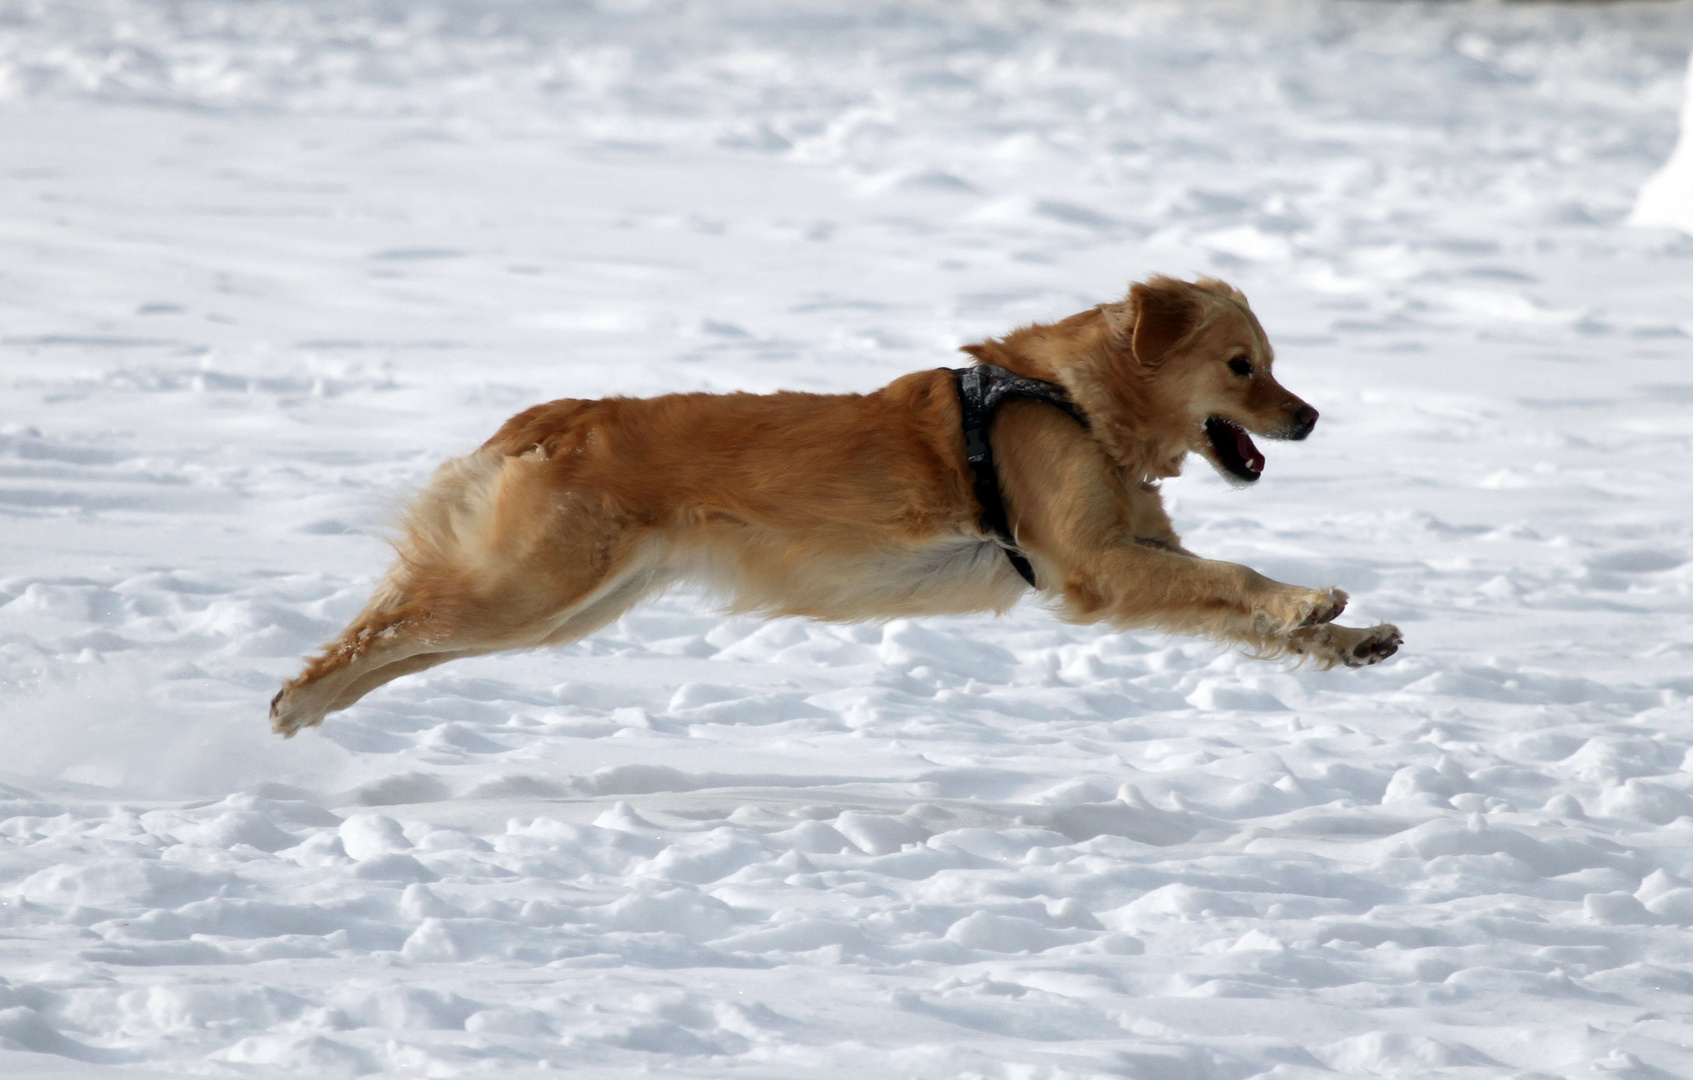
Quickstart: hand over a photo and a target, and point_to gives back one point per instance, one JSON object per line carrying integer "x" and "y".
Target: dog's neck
{"x": 1085, "y": 357}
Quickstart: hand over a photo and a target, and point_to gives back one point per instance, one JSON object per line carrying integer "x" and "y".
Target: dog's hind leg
{"x": 375, "y": 677}
{"x": 376, "y": 647}
{"x": 493, "y": 557}
{"x": 382, "y": 645}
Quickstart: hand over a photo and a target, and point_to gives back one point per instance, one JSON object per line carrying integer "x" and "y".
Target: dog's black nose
{"x": 1304, "y": 419}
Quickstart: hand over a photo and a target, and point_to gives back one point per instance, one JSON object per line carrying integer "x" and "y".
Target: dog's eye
{"x": 1240, "y": 365}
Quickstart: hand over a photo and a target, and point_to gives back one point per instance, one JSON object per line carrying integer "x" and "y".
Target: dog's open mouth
{"x": 1232, "y": 449}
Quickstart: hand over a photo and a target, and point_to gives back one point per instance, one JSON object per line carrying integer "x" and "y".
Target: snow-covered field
{"x": 266, "y": 263}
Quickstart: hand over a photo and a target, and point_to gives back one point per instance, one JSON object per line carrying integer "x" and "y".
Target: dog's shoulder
{"x": 932, "y": 393}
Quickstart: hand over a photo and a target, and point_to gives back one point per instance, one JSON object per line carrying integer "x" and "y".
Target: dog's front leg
{"x": 1187, "y": 594}
{"x": 1135, "y": 585}
{"x": 1323, "y": 643}
{"x": 1273, "y": 619}
{"x": 1110, "y": 550}
{"x": 1148, "y": 521}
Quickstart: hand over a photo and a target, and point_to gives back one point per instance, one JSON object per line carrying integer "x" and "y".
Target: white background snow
{"x": 267, "y": 263}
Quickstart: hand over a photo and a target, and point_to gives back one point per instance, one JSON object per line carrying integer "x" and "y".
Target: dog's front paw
{"x": 1352, "y": 647}
{"x": 1298, "y": 609}
{"x": 1325, "y": 607}
{"x": 1373, "y": 645}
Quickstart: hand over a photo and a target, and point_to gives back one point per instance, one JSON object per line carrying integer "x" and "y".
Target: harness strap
{"x": 981, "y": 390}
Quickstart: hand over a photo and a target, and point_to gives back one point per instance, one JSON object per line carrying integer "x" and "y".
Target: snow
{"x": 268, "y": 263}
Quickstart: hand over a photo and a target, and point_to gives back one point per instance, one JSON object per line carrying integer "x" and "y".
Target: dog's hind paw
{"x": 286, "y": 719}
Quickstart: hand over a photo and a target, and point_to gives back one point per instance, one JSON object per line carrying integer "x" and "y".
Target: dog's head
{"x": 1205, "y": 365}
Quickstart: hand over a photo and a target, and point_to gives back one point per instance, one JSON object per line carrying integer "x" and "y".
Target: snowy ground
{"x": 266, "y": 263}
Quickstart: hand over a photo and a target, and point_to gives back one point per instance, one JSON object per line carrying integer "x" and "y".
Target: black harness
{"x": 981, "y": 390}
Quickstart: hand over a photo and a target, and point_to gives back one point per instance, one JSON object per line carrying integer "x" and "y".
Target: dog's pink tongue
{"x": 1248, "y": 452}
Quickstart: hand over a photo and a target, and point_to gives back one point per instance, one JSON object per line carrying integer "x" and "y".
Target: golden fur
{"x": 853, "y": 506}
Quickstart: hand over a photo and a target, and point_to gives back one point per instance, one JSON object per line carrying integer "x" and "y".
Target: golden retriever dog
{"x": 861, "y": 506}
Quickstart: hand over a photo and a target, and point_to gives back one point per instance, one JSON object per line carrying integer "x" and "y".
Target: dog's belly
{"x": 949, "y": 575}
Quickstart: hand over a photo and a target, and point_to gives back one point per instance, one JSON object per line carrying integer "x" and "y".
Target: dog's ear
{"x": 1163, "y": 311}
{"x": 980, "y": 352}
